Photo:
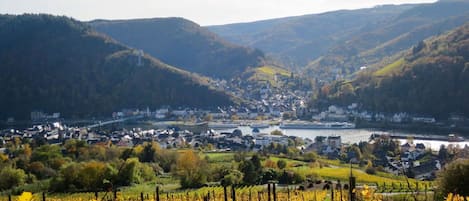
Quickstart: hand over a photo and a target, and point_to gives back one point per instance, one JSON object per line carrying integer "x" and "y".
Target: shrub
{"x": 453, "y": 178}
{"x": 10, "y": 177}
{"x": 370, "y": 170}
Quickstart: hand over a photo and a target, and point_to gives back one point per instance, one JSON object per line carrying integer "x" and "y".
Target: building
{"x": 335, "y": 142}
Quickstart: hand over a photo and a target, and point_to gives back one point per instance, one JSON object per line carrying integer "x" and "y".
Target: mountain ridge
{"x": 430, "y": 79}
{"x": 184, "y": 44}
{"x": 57, "y": 64}
{"x": 347, "y": 39}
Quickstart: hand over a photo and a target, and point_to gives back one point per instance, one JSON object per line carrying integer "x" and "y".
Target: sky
{"x": 204, "y": 12}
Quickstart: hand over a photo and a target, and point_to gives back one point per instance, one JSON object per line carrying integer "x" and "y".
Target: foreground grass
{"x": 219, "y": 157}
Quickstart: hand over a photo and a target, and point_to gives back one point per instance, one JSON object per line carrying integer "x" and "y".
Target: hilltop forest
{"x": 432, "y": 78}
{"x": 57, "y": 64}
{"x": 184, "y": 44}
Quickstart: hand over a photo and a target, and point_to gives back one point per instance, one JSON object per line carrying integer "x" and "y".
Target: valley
{"x": 364, "y": 104}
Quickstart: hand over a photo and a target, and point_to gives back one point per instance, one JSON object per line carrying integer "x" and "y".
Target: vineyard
{"x": 270, "y": 192}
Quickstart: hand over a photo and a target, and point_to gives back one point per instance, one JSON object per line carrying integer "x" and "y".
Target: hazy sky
{"x": 204, "y": 12}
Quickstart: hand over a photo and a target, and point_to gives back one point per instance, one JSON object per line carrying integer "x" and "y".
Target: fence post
{"x": 288, "y": 193}
{"x": 352, "y": 188}
{"x": 157, "y": 193}
{"x": 9, "y": 197}
{"x": 43, "y": 196}
{"x": 268, "y": 192}
{"x": 250, "y": 195}
{"x": 274, "y": 191}
{"x": 332, "y": 192}
{"x": 233, "y": 191}
{"x": 225, "y": 194}
{"x": 115, "y": 194}
{"x": 141, "y": 196}
{"x": 340, "y": 189}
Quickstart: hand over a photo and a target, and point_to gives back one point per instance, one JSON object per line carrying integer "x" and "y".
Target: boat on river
{"x": 222, "y": 125}
{"x": 455, "y": 138}
{"x": 317, "y": 125}
{"x": 259, "y": 125}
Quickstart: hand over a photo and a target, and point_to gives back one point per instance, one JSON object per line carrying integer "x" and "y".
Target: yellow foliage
{"x": 3, "y": 157}
{"x": 455, "y": 197}
{"x": 25, "y": 196}
{"x": 270, "y": 164}
{"x": 367, "y": 194}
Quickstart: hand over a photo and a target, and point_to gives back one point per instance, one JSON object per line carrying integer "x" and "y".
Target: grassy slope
{"x": 391, "y": 68}
{"x": 268, "y": 73}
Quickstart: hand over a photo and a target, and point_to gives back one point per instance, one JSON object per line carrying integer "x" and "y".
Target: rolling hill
{"x": 431, "y": 78}
{"x": 183, "y": 44}
{"x": 334, "y": 45}
{"x": 301, "y": 39}
{"x": 57, "y": 64}
{"x": 386, "y": 40}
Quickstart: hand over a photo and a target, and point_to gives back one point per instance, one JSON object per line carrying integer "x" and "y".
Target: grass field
{"x": 342, "y": 173}
{"x": 391, "y": 68}
{"x": 217, "y": 157}
{"x": 268, "y": 73}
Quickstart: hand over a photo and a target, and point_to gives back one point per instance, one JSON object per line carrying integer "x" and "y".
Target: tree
{"x": 11, "y": 177}
{"x": 276, "y": 132}
{"x": 46, "y": 153}
{"x": 191, "y": 170}
{"x": 281, "y": 164}
{"x": 249, "y": 172}
{"x": 443, "y": 154}
{"x": 252, "y": 169}
{"x": 208, "y": 117}
{"x": 235, "y": 177}
{"x": 129, "y": 172}
{"x": 453, "y": 178}
{"x": 270, "y": 164}
{"x": 92, "y": 174}
{"x": 148, "y": 153}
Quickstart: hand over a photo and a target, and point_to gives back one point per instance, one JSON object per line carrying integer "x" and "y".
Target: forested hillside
{"x": 432, "y": 78}
{"x": 335, "y": 45}
{"x": 375, "y": 47}
{"x": 299, "y": 40}
{"x": 183, "y": 44}
{"x": 57, "y": 64}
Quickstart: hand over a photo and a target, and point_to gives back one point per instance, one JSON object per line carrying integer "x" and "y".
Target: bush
{"x": 10, "y": 177}
{"x": 370, "y": 170}
{"x": 281, "y": 164}
{"x": 453, "y": 178}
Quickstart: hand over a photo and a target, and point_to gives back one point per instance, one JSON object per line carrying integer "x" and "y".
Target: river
{"x": 348, "y": 135}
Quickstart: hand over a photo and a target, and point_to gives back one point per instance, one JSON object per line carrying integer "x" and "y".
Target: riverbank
{"x": 415, "y": 128}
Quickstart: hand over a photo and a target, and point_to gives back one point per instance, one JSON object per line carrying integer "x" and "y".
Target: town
{"x": 380, "y": 152}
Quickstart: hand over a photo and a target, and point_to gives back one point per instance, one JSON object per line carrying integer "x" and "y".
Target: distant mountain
{"x": 337, "y": 44}
{"x": 384, "y": 40}
{"x": 183, "y": 44}
{"x": 302, "y": 39}
{"x": 57, "y": 64}
{"x": 431, "y": 78}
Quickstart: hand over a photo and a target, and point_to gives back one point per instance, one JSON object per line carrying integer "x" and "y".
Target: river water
{"x": 348, "y": 135}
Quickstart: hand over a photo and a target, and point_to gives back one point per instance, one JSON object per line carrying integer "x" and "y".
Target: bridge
{"x": 112, "y": 121}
